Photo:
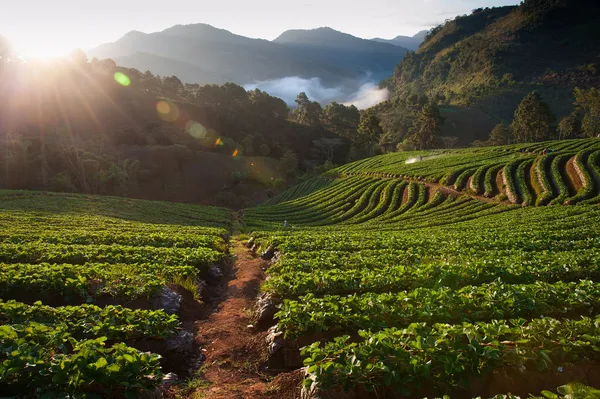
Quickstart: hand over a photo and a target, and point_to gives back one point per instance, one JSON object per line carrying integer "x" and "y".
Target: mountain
{"x": 478, "y": 67}
{"x": 201, "y": 53}
{"x": 409, "y": 42}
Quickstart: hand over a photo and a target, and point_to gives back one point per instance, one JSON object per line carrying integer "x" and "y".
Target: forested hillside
{"x": 94, "y": 127}
{"x": 477, "y": 68}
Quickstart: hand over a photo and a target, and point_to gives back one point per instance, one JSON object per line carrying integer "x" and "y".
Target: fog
{"x": 361, "y": 94}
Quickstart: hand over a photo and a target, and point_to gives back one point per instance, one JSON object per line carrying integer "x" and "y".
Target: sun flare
{"x": 41, "y": 50}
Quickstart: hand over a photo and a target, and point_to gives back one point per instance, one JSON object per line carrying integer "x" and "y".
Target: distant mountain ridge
{"x": 201, "y": 53}
{"x": 409, "y": 42}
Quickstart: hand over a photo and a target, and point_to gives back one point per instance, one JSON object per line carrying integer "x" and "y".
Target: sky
{"x": 39, "y": 28}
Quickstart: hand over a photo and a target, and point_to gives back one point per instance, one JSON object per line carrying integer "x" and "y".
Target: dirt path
{"x": 236, "y": 354}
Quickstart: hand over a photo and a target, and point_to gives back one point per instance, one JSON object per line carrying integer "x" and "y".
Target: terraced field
{"x": 443, "y": 275}
{"x": 90, "y": 290}
{"x": 466, "y": 273}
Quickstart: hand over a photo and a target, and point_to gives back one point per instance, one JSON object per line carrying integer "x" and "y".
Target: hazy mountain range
{"x": 201, "y": 53}
{"x": 408, "y": 42}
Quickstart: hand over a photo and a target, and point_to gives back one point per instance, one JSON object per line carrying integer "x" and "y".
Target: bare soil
{"x": 235, "y": 350}
{"x": 574, "y": 180}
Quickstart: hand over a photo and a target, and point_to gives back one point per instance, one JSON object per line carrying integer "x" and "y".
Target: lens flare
{"x": 167, "y": 111}
{"x": 122, "y": 79}
{"x": 235, "y": 153}
{"x": 195, "y": 129}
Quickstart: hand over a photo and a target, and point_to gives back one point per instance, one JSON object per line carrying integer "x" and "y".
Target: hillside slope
{"x": 417, "y": 275}
{"x": 396, "y": 186}
{"x": 483, "y": 64}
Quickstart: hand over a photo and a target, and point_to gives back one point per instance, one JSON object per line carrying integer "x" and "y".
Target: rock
{"x": 275, "y": 258}
{"x": 266, "y": 307}
{"x": 201, "y": 288}
{"x": 312, "y": 391}
{"x": 167, "y": 300}
{"x": 150, "y": 394}
{"x": 274, "y": 340}
{"x": 291, "y": 356}
{"x": 268, "y": 253}
{"x": 214, "y": 274}
{"x": 169, "y": 379}
{"x": 250, "y": 242}
{"x": 181, "y": 343}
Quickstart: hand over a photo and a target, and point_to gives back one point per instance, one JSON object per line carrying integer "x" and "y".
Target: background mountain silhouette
{"x": 201, "y": 53}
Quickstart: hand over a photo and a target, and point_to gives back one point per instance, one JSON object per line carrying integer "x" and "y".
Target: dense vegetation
{"x": 398, "y": 277}
{"x": 78, "y": 279}
{"x": 94, "y": 127}
{"x": 477, "y": 68}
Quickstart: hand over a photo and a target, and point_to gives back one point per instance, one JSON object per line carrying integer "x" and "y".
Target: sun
{"x": 42, "y": 50}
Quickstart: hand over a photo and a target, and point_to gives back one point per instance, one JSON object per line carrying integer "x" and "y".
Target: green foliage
{"x": 416, "y": 285}
{"x": 41, "y": 359}
{"x": 340, "y": 119}
{"x": 369, "y": 129}
{"x": 533, "y": 120}
{"x": 288, "y": 164}
{"x": 500, "y": 135}
{"x": 569, "y": 127}
{"x": 589, "y": 102}
{"x": 73, "y": 249}
{"x": 307, "y": 112}
{"x": 426, "y": 126}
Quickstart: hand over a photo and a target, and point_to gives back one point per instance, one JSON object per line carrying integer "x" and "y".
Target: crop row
{"x": 84, "y": 282}
{"x": 108, "y": 237}
{"x": 299, "y": 190}
{"x": 49, "y": 362}
{"x": 34, "y": 252}
{"x": 443, "y": 356}
{"x": 310, "y": 314}
{"x": 390, "y": 271}
{"x": 89, "y": 321}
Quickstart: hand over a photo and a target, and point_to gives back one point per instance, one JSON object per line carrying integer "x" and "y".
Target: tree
{"x": 448, "y": 141}
{"x": 264, "y": 150}
{"x": 78, "y": 57}
{"x": 369, "y": 130}
{"x": 327, "y": 147}
{"x": 569, "y": 127}
{"x": 288, "y": 163}
{"x": 500, "y": 135}
{"x": 307, "y": 112}
{"x": 173, "y": 85}
{"x": 589, "y": 101}
{"x": 533, "y": 120}
{"x": 248, "y": 144}
{"x": 340, "y": 119}
{"x": 426, "y": 126}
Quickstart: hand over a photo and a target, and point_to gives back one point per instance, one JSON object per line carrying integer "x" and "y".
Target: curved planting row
{"x": 420, "y": 284}
{"x": 300, "y": 190}
{"x": 592, "y": 166}
{"x": 352, "y": 200}
{"x": 477, "y": 170}
{"x": 559, "y": 180}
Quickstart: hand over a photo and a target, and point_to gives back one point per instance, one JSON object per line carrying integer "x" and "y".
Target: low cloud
{"x": 361, "y": 94}
{"x": 368, "y": 95}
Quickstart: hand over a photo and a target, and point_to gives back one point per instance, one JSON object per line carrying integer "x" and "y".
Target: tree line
{"x": 533, "y": 121}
